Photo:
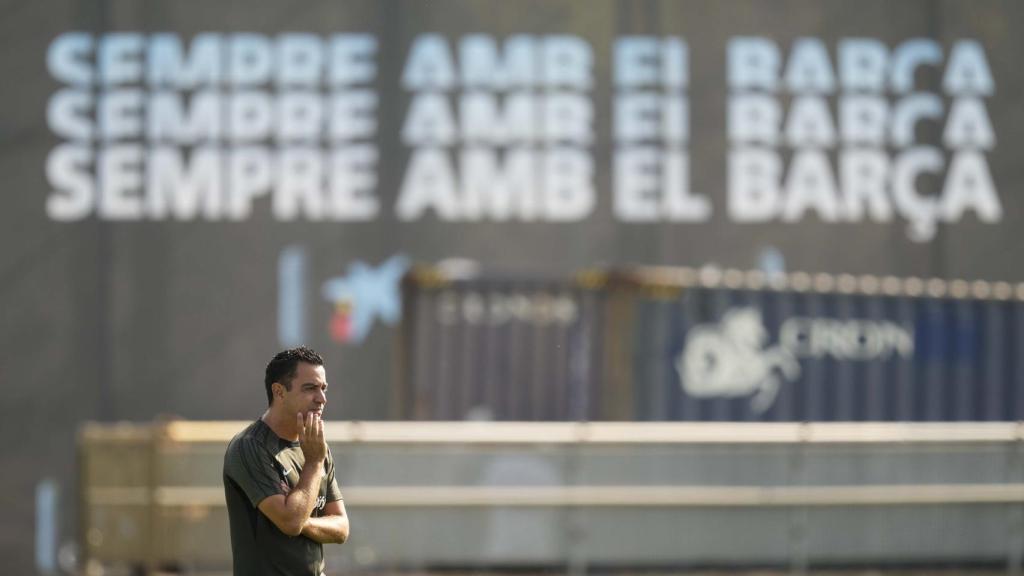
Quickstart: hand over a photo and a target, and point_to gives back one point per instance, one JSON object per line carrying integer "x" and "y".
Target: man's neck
{"x": 281, "y": 425}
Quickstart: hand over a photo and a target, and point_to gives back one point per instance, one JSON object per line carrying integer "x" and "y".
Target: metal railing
{"x": 153, "y": 494}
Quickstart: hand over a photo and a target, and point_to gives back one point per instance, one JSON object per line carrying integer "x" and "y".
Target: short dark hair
{"x": 284, "y": 366}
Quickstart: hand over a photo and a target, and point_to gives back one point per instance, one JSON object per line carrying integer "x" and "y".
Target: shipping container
{"x": 499, "y": 347}
{"x": 678, "y": 344}
{"x": 731, "y": 345}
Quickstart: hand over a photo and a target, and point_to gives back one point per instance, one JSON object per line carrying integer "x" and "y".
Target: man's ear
{"x": 277, "y": 389}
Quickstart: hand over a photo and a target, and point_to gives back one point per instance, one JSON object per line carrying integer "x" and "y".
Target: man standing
{"x": 283, "y": 501}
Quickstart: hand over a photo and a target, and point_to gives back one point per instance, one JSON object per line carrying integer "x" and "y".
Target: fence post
{"x": 798, "y": 514}
{"x": 157, "y": 430}
{"x": 1015, "y": 512}
{"x": 576, "y": 560}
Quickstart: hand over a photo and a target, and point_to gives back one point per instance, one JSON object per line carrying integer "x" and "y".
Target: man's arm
{"x": 331, "y": 528}
{"x": 289, "y": 512}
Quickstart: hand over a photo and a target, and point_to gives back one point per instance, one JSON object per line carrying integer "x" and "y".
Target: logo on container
{"x": 733, "y": 359}
{"x": 499, "y": 308}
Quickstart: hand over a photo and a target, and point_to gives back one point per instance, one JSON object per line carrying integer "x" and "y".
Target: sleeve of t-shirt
{"x": 333, "y": 492}
{"x": 252, "y": 468}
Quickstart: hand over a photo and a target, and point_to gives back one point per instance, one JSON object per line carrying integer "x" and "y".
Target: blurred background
{"x": 602, "y": 286}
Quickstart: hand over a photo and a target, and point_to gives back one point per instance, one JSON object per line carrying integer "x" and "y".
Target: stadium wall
{"x": 175, "y": 213}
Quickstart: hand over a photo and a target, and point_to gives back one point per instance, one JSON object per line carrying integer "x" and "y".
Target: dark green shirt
{"x": 258, "y": 464}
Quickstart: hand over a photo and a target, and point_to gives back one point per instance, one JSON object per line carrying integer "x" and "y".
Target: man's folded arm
{"x": 331, "y": 528}
{"x": 289, "y": 512}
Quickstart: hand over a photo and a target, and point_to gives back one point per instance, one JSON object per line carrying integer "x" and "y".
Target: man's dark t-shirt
{"x": 257, "y": 464}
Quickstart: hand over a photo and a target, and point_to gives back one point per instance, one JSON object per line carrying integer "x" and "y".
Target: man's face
{"x": 308, "y": 391}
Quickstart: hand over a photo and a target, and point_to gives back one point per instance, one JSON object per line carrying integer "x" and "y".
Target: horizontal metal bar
{"x": 623, "y": 432}
{"x": 604, "y": 496}
{"x": 713, "y": 277}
